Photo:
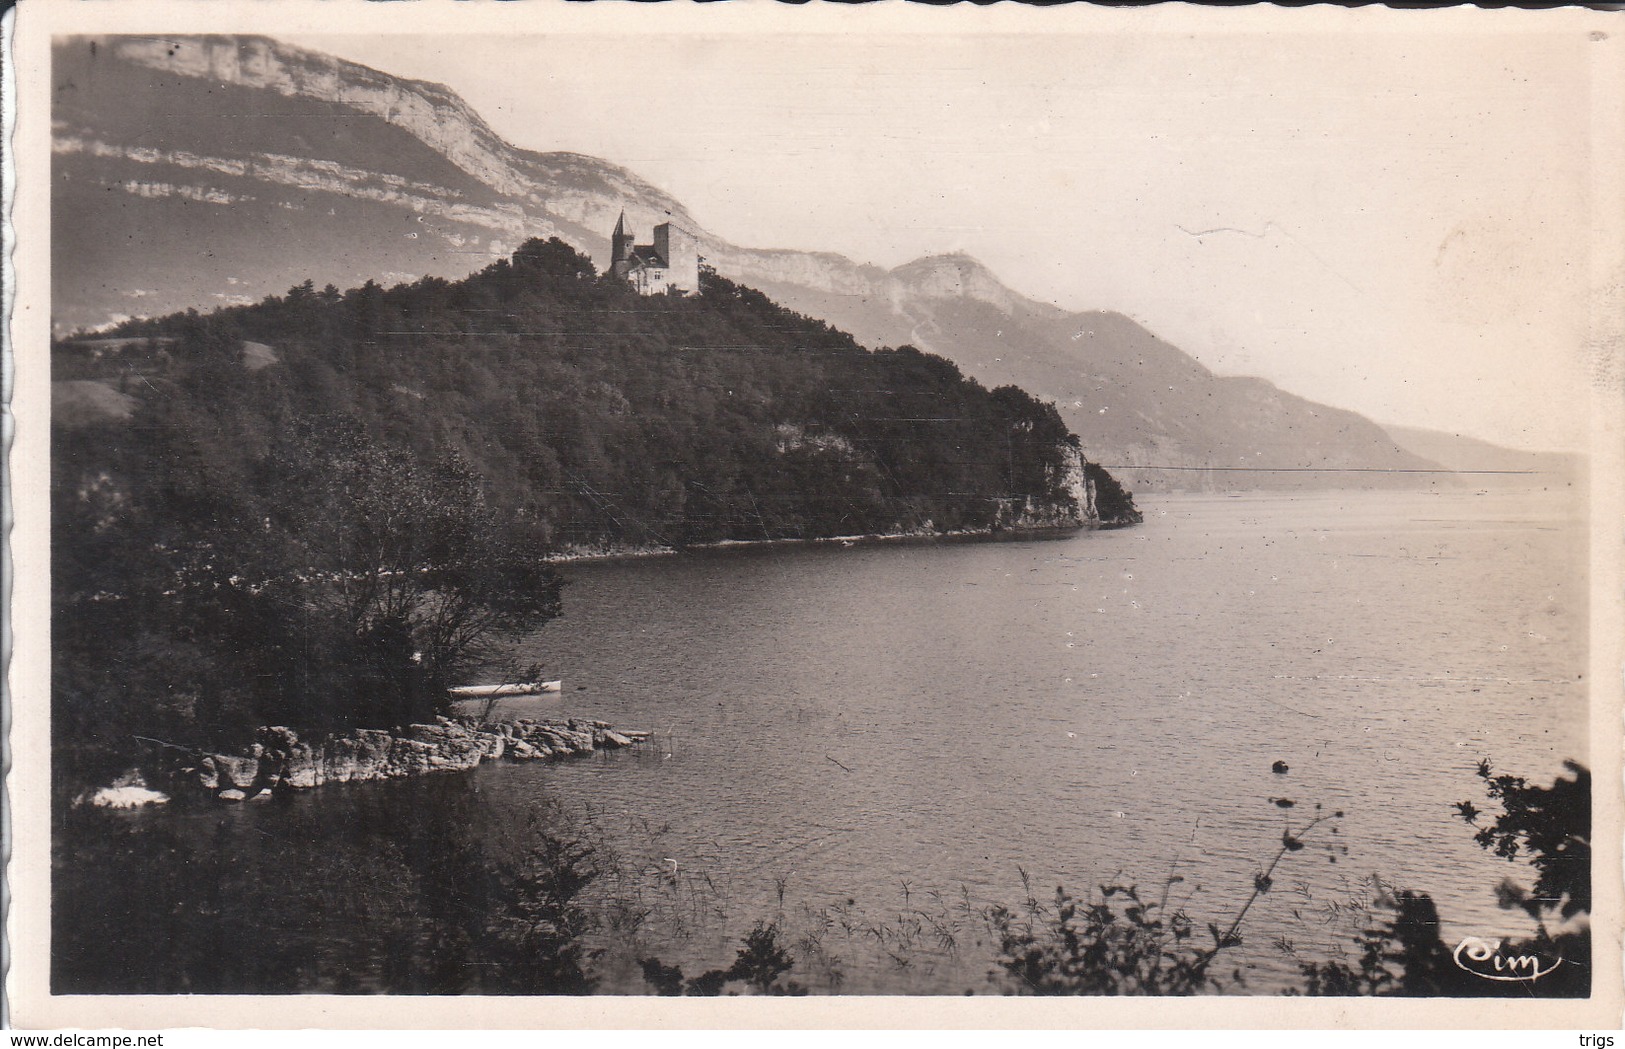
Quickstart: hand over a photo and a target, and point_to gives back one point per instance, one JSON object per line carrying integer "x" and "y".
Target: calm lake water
{"x": 872, "y": 744}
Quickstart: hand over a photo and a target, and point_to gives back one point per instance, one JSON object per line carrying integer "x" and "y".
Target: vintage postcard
{"x": 815, "y": 517}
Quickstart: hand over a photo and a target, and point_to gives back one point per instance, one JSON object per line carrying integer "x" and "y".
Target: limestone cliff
{"x": 1088, "y": 508}
{"x": 164, "y": 199}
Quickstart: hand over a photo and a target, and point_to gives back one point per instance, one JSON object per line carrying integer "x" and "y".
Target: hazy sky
{"x": 1391, "y": 222}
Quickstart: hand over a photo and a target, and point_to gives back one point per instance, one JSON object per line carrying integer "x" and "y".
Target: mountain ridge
{"x": 1473, "y": 456}
{"x": 167, "y": 198}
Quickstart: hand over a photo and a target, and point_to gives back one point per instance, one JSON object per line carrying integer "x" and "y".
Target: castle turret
{"x": 620, "y": 248}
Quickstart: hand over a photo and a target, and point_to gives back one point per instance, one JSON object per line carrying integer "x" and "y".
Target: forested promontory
{"x": 321, "y": 508}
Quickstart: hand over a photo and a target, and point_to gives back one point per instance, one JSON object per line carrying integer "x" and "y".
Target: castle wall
{"x": 649, "y": 280}
{"x": 682, "y": 255}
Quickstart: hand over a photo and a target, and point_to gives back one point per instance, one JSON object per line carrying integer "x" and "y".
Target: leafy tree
{"x": 1098, "y": 947}
{"x": 761, "y": 961}
{"x": 452, "y": 901}
{"x": 535, "y": 943}
{"x": 1117, "y": 942}
{"x": 1113, "y": 502}
{"x": 335, "y": 581}
{"x": 552, "y": 258}
{"x": 1551, "y": 826}
{"x": 758, "y": 964}
{"x": 404, "y": 558}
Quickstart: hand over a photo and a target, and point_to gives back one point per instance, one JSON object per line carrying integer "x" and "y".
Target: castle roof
{"x": 646, "y": 255}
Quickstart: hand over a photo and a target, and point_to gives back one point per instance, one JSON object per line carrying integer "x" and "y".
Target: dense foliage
{"x": 460, "y": 896}
{"x": 606, "y": 417}
{"x": 448, "y": 902}
{"x": 336, "y": 582}
{"x": 1114, "y": 504}
{"x": 758, "y": 965}
{"x": 326, "y": 506}
{"x": 1405, "y": 954}
{"x": 1118, "y": 942}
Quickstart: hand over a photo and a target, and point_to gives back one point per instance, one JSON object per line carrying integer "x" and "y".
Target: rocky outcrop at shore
{"x": 281, "y": 760}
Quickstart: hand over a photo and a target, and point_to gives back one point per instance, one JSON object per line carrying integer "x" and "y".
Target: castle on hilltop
{"x": 670, "y": 264}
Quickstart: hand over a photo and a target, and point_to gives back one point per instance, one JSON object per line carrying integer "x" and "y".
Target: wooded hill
{"x": 595, "y": 416}
{"x": 320, "y": 509}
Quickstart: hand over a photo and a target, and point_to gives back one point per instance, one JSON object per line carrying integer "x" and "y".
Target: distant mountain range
{"x": 202, "y": 171}
{"x": 1480, "y": 460}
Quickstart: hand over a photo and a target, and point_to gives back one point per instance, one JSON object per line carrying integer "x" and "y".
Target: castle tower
{"x": 662, "y": 244}
{"x": 620, "y": 245}
{"x": 681, "y": 255}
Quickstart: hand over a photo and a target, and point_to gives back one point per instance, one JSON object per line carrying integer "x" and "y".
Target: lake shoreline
{"x": 634, "y": 553}
{"x": 871, "y": 739}
{"x": 280, "y": 760}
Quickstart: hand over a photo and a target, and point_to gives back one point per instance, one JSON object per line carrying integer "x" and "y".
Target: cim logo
{"x": 1484, "y": 958}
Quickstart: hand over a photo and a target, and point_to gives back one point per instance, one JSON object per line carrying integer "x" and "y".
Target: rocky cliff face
{"x": 1029, "y": 514}
{"x": 165, "y": 198}
{"x": 428, "y": 112}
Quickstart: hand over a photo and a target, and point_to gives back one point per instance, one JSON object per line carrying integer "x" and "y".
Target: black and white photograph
{"x": 882, "y": 505}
